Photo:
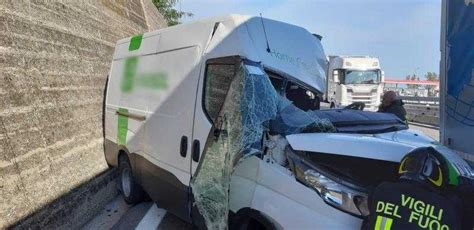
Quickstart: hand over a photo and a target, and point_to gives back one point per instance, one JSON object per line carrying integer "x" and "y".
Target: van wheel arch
{"x": 121, "y": 154}
{"x": 246, "y": 216}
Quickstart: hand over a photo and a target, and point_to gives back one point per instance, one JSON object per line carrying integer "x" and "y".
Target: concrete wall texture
{"x": 54, "y": 59}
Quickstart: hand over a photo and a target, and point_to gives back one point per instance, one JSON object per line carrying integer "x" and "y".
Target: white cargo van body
{"x": 354, "y": 79}
{"x": 172, "y": 60}
{"x": 155, "y": 106}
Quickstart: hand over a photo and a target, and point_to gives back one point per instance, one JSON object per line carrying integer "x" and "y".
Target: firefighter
{"x": 430, "y": 194}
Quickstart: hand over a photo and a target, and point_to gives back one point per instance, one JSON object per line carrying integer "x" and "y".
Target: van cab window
{"x": 277, "y": 82}
{"x": 301, "y": 97}
{"x": 217, "y": 81}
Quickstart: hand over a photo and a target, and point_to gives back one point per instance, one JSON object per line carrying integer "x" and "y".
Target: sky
{"x": 404, "y": 34}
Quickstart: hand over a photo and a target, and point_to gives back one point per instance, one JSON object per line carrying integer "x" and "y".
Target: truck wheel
{"x": 131, "y": 191}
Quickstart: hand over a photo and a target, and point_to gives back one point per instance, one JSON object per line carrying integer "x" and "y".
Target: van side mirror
{"x": 335, "y": 75}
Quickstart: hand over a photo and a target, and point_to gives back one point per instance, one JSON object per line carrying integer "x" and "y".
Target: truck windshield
{"x": 361, "y": 77}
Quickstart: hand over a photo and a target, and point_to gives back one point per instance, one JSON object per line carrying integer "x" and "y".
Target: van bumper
{"x": 294, "y": 215}
{"x": 274, "y": 192}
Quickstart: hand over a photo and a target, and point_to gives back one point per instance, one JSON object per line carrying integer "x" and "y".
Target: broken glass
{"x": 251, "y": 108}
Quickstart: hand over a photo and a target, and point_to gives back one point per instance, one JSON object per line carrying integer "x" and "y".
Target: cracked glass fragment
{"x": 252, "y": 107}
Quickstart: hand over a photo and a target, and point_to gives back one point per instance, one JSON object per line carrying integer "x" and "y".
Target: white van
{"x": 178, "y": 99}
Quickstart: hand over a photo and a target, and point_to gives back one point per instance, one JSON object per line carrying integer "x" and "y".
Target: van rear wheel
{"x": 131, "y": 191}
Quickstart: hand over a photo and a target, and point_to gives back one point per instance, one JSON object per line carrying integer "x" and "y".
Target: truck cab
{"x": 354, "y": 79}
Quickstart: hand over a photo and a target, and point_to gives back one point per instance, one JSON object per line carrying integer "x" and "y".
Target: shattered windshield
{"x": 252, "y": 107}
{"x": 362, "y": 77}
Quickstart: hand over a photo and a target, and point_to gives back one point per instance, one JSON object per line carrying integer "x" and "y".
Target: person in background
{"x": 390, "y": 104}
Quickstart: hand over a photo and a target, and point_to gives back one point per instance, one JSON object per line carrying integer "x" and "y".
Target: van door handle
{"x": 183, "y": 150}
{"x": 196, "y": 150}
{"x": 131, "y": 115}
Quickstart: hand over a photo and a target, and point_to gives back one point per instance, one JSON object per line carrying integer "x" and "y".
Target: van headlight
{"x": 337, "y": 194}
{"x": 335, "y": 191}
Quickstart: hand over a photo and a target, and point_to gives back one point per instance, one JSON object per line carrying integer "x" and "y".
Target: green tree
{"x": 411, "y": 77}
{"x": 431, "y": 76}
{"x": 171, "y": 15}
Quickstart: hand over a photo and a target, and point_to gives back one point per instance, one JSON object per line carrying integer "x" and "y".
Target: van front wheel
{"x": 131, "y": 191}
{"x": 249, "y": 219}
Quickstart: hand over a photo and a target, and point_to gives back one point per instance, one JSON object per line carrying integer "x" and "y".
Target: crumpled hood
{"x": 392, "y": 146}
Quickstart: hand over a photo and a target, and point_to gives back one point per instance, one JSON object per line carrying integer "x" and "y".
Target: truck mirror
{"x": 335, "y": 74}
{"x": 382, "y": 77}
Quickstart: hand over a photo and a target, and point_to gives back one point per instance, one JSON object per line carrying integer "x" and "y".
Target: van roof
{"x": 294, "y": 52}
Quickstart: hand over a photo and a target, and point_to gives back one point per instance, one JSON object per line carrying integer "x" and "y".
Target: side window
{"x": 276, "y": 81}
{"x": 302, "y": 98}
{"x": 277, "y": 84}
{"x": 217, "y": 82}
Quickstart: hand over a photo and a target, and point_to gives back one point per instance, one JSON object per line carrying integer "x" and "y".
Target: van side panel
{"x": 163, "y": 91}
{"x": 149, "y": 108}
{"x": 172, "y": 113}
{"x": 164, "y": 172}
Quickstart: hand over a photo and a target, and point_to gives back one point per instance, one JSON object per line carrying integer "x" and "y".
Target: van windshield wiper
{"x": 392, "y": 128}
{"x": 367, "y": 129}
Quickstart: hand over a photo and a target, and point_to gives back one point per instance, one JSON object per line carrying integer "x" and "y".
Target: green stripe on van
{"x": 135, "y": 42}
{"x": 130, "y": 69}
{"x": 122, "y": 127}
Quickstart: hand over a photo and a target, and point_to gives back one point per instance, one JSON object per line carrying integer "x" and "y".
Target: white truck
{"x": 354, "y": 79}
{"x": 216, "y": 118}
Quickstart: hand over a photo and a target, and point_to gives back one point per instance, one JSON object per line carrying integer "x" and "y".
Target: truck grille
{"x": 370, "y": 100}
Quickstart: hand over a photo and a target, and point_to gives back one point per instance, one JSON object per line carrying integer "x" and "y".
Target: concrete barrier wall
{"x": 54, "y": 59}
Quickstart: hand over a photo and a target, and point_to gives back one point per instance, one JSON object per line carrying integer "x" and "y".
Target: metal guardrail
{"x": 419, "y": 100}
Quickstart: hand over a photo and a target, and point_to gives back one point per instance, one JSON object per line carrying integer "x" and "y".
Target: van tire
{"x": 248, "y": 224}
{"x": 249, "y": 219}
{"x": 132, "y": 192}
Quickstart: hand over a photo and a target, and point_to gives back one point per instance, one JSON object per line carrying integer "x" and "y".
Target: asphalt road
{"x": 118, "y": 215}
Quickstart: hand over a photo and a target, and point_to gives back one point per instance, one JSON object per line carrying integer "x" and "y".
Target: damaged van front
{"x": 307, "y": 169}
{"x": 273, "y": 160}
